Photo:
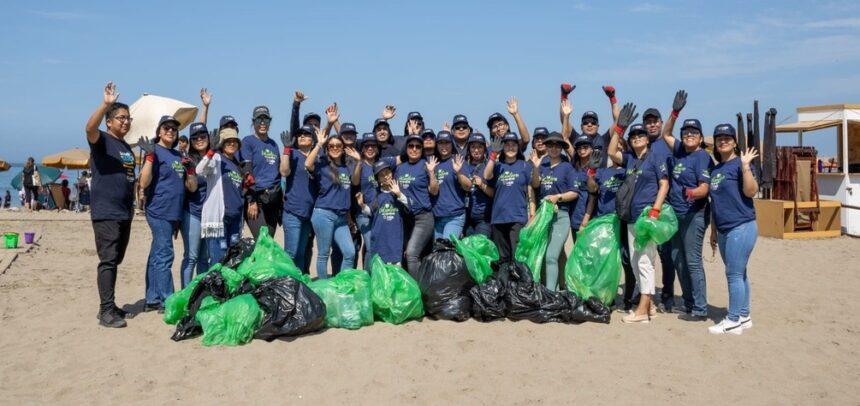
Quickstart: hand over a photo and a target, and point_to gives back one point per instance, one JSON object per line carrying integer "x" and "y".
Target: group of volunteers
{"x": 356, "y": 195}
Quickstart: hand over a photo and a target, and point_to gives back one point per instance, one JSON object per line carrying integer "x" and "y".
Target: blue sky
{"x": 440, "y": 58}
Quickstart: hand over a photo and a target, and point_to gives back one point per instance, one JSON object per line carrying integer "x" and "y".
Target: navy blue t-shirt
{"x": 386, "y": 230}
{"x": 730, "y": 206}
{"x": 165, "y": 194}
{"x": 231, "y": 184}
{"x": 688, "y": 171}
{"x": 335, "y": 186}
{"x": 511, "y": 181}
{"x": 112, "y": 183}
{"x": 194, "y": 200}
{"x": 480, "y": 205}
{"x": 652, "y": 169}
{"x": 394, "y": 148}
{"x": 265, "y": 159}
{"x": 608, "y": 180}
{"x": 368, "y": 185}
{"x": 300, "y": 191}
{"x": 451, "y": 199}
{"x": 579, "y": 183}
{"x": 556, "y": 180}
{"x": 660, "y": 150}
{"x": 414, "y": 183}
{"x": 599, "y": 142}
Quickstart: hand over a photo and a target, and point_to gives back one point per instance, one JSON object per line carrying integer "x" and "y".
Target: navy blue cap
{"x": 305, "y": 129}
{"x": 477, "y": 137}
{"x": 260, "y": 111}
{"x": 582, "y": 140}
{"x": 196, "y": 128}
{"x": 414, "y": 115}
{"x": 444, "y": 136}
{"x": 540, "y": 132}
{"x": 347, "y": 128}
{"x": 692, "y": 123}
{"x": 511, "y": 136}
{"x": 428, "y": 132}
{"x": 494, "y": 117}
{"x": 652, "y": 112}
{"x": 381, "y": 165}
{"x": 725, "y": 130}
{"x": 164, "y": 120}
{"x": 590, "y": 115}
{"x": 367, "y": 137}
{"x": 411, "y": 137}
{"x": 227, "y": 120}
{"x": 459, "y": 119}
{"x": 555, "y": 137}
{"x": 381, "y": 121}
{"x": 310, "y": 116}
{"x": 636, "y": 129}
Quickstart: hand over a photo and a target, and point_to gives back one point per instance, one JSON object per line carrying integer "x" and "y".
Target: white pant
{"x": 642, "y": 262}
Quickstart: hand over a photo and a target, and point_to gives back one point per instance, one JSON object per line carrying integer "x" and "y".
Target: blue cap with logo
{"x": 225, "y": 120}
{"x": 725, "y": 130}
{"x": 444, "y": 136}
{"x": 691, "y": 123}
{"x": 197, "y": 128}
{"x": 348, "y": 128}
{"x": 636, "y": 129}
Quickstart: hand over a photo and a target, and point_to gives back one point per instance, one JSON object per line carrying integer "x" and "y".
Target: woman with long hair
{"x": 221, "y": 216}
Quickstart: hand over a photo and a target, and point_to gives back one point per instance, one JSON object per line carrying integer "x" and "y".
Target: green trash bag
{"x": 347, "y": 299}
{"x": 232, "y": 279}
{"x": 176, "y": 305}
{"x": 534, "y": 238}
{"x": 396, "y": 297}
{"x": 479, "y": 253}
{"x": 230, "y": 323}
{"x": 658, "y": 230}
{"x": 594, "y": 266}
{"x": 269, "y": 261}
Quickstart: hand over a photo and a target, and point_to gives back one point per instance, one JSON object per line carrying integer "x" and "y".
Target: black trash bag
{"x": 290, "y": 309}
{"x": 532, "y": 301}
{"x": 488, "y": 299}
{"x": 591, "y": 310}
{"x": 238, "y": 252}
{"x": 212, "y": 284}
{"x": 445, "y": 282}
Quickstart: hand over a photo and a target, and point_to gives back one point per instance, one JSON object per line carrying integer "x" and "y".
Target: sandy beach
{"x": 803, "y": 348}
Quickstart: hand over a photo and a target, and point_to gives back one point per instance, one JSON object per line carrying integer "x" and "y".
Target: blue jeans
{"x": 687, "y": 258}
{"x": 195, "y": 255}
{"x": 363, "y": 223}
{"x": 332, "y": 227}
{"x": 159, "y": 279}
{"x": 445, "y": 226}
{"x": 296, "y": 233}
{"x": 232, "y": 234}
{"x": 479, "y": 226}
{"x": 736, "y": 246}
{"x": 559, "y": 231}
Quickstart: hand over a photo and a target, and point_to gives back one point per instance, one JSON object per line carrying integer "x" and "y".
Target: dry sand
{"x": 803, "y": 348}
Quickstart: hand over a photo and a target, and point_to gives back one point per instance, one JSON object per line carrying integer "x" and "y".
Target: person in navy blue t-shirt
{"x": 364, "y": 179}
{"x": 650, "y": 187}
{"x": 386, "y": 208}
{"x": 480, "y": 206}
{"x": 194, "y": 257}
{"x": 164, "y": 178}
{"x": 111, "y": 197}
{"x": 265, "y": 202}
{"x": 734, "y": 183}
{"x": 583, "y": 207}
{"x": 333, "y": 180}
{"x": 299, "y": 193}
{"x": 499, "y": 126}
{"x": 417, "y": 180}
{"x": 513, "y": 200}
{"x": 449, "y": 205}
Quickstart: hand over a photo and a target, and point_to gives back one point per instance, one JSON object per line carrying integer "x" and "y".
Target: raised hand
{"x": 331, "y": 113}
{"x": 458, "y": 163}
{"x": 352, "y": 153}
{"x": 513, "y": 106}
{"x": 394, "y": 187}
{"x": 609, "y": 91}
{"x": 446, "y": 126}
{"x": 320, "y": 136}
{"x": 566, "y": 89}
{"x": 214, "y": 139}
{"x": 626, "y": 117}
{"x": 205, "y": 96}
{"x": 431, "y": 165}
{"x": 566, "y": 107}
{"x": 388, "y": 112}
{"x": 299, "y": 97}
{"x": 534, "y": 158}
{"x": 287, "y": 140}
{"x": 679, "y": 103}
{"x": 412, "y": 127}
{"x": 110, "y": 95}
{"x": 596, "y": 159}
{"x": 359, "y": 198}
{"x": 748, "y": 156}
{"x": 146, "y": 145}
{"x": 496, "y": 148}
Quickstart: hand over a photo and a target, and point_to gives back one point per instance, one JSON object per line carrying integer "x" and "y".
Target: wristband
{"x": 287, "y": 150}
{"x": 675, "y": 113}
{"x": 689, "y": 193}
{"x": 591, "y": 171}
{"x": 613, "y": 100}
{"x": 492, "y": 155}
{"x": 210, "y": 153}
{"x": 150, "y": 157}
{"x": 620, "y": 130}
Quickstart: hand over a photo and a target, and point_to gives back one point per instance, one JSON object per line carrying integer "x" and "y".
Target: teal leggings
{"x": 559, "y": 231}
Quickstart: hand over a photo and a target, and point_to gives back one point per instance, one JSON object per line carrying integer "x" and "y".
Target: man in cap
{"x": 391, "y": 146}
{"x": 461, "y": 131}
{"x": 264, "y": 199}
{"x": 313, "y": 119}
{"x": 590, "y": 124}
{"x": 499, "y": 126}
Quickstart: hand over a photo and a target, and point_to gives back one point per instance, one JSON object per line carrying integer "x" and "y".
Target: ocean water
{"x": 6, "y": 184}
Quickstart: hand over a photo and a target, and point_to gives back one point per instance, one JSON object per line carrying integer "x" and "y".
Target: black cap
{"x": 459, "y": 119}
{"x": 444, "y": 136}
{"x": 196, "y": 128}
{"x": 477, "y": 137}
{"x": 411, "y": 137}
{"x": 653, "y": 113}
{"x": 428, "y": 132}
{"x": 540, "y": 132}
{"x": 582, "y": 140}
{"x": 164, "y": 120}
{"x": 725, "y": 130}
{"x": 261, "y": 111}
{"x": 555, "y": 137}
{"x": 414, "y": 115}
{"x": 495, "y": 117}
{"x": 691, "y": 123}
{"x": 381, "y": 121}
{"x": 347, "y": 128}
{"x": 305, "y": 129}
{"x": 310, "y": 116}
{"x": 636, "y": 129}
{"x": 227, "y": 120}
{"x": 590, "y": 115}
{"x": 380, "y": 166}
{"x": 511, "y": 136}
{"x": 366, "y": 137}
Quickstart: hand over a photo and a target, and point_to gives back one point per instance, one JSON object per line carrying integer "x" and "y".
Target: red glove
{"x": 149, "y": 158}
{"x": 654, "y": 213}
{"x": 591, "y": 172}
{"x": 249, "y": 181}
{"x": 620, "y": 130}
{"x": 210, "y": 153}
{"x": 188, "y": 164}
{"x": 675, "y": 113}
{"x": 566, "y": 88}
{"x": 689, "y": 193}
{"x": 287, "y": 150}
{"x": 610, "y": 93}
{"x": 493, "y": 155}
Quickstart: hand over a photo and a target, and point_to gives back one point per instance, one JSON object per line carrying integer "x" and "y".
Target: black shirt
{"x": 112, "y": 183}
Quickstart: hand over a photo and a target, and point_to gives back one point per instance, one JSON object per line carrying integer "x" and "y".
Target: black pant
{"x": 269, "y": 215}
{"x": 506, "y": 236}
{"x": 629, "y": 276}
{"x": 111, "y": 241}
{"x": 667, "y": 294}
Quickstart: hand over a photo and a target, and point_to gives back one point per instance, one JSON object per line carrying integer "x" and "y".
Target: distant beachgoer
{"x": 7, "y": 200}
{"x": 66, "y": 194}
{"x": 31, "y": 190}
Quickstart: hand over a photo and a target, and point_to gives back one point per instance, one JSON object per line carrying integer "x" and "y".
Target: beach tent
{"x": 4, "y": 166}
{"x": 74, "y": 158}
{"x": 46, "y": 174}
{"x": 148, "y": 109}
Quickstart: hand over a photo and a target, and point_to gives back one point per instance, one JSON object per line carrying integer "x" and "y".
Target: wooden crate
{"x": 775, "y": 218}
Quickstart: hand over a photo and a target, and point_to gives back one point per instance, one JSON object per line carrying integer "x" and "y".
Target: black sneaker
{"x": 662, "y": 308}
{"x": 692, "y": 317}
{"x": 149, "y": 307}
{"x": 120, "y": 312}
{"x": 112, "y": 320}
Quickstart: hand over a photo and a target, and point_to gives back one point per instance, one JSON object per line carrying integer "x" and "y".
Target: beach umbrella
{"x": 148, "y": 109}
{"x": 46, "y": 174}
{"x": 74, "y": 158}
{"x": 4, "y": 166}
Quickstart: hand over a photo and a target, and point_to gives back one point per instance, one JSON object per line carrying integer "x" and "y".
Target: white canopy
{"x": 147, "y": 110}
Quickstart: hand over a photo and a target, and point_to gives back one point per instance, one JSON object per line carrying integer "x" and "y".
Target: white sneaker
{"x": 727, "y": 327}
{"x": 746, "y": 322}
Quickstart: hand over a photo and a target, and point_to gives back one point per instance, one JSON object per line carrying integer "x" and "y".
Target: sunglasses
{"x": 461, "y": 127}
{"x": 170, "y": 128}
{"x": 414, "y": 146}
{"x": 589, "y": 122}
{"x": 198, "y": 137}
{"x": 334, "y": 146}
{"x": 690, "y": 133}
{"x": 553, "y": 145}
{"x": 262, "y": 120}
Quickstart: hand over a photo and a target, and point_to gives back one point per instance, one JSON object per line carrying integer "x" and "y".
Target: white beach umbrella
{"x": 148, "y": 109}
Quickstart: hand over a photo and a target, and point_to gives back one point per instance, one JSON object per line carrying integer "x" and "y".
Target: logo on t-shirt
{"x": 344, "y": 180}
{"x": 508, "y": 178}
{"x": 716, "y": 180}
{"x": 706, "y": 173}
{"x": 440, "y": 176}
{"x": 269, "y": 156}
{"x": 178, "y": 168}
{"x": 612, "y": 184}
{"x": 236, "y": 178}
{"x": 128, "y": 163}
{"x": 388, "y": 211}
{"x": 547, "y": 182}
{"x": 405, "y": 180}
{"x": 678, "y": 170}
